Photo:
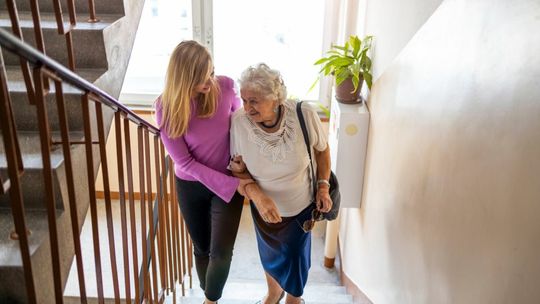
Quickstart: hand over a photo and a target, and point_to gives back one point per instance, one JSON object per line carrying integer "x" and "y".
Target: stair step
{"x": 85, "y": 34}
{"x": 81, "y": 6}
{"x": 250, "y": 291}
{"x": 36, "y": 222}
{"x": 26, "y": 114}
{"x": 32, "y": 180}
{"x": 11, "y": 272}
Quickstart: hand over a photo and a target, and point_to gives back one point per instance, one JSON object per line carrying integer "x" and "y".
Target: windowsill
{"x": 143, "y": 103}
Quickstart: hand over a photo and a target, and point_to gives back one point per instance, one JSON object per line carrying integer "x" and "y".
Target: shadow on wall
{"x": 449, "y": 211}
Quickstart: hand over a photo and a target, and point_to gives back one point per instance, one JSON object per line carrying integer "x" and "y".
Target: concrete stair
{"x": 251, "y": 291}
{"x": 25, "y": 113}
{"x": 102, "y": 52}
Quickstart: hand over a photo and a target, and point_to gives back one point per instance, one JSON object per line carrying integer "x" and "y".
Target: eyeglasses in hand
{"x": 316, "y": 216}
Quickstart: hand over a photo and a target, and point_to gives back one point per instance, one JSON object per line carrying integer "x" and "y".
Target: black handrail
{"x": 36, "y": 58}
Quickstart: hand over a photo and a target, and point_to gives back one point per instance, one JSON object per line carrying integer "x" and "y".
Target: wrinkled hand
{"x": 242, "y": 185}
{"x": 267, "y": 209}
{"x": 323, "y": 200}
{"x": 237, "y": 164}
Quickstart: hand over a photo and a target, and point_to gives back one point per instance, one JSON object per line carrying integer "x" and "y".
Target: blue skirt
{"x": 285, "y": 249}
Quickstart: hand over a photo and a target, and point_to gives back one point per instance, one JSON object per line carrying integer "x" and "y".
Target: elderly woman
{"x": 268, "y": 145}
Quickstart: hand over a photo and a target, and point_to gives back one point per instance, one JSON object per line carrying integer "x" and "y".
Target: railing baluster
{"x": 174, "y": 221}
{"x": 65, "y": 32}
{"x": 14, "y": 168}
{"x": 107, "y": 190}
{"x": 92, "y": 10}
{"x": 160, "y": 234}
{"x": 38, "y": 33}
{"x": 190, "y": 259}
{"x": 72, "y": 14}
{"x": 64, "y": 129}
{"x": 16, "y": 28}
{"x": 50, "y": 202}
{"x": 122, "y": 201}
{"x": 151, "y": 214}
{"x": 166, "y": 212}
{"x": 184, "y": 249}
{"x": 144, "y": 273}
{"x": 92, "y": 193}
{"x": 180, "y": 254}
{"x": 133, "y": 223}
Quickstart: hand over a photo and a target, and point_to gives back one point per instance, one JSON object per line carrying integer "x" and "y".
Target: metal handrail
{"x": 36, "y": 58}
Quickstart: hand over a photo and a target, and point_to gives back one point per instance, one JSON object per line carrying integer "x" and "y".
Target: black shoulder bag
{"x": 334, "y": 185}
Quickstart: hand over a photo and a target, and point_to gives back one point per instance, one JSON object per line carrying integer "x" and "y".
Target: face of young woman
{"x": 257, "y": 107}
{"x": 204, "y": 88}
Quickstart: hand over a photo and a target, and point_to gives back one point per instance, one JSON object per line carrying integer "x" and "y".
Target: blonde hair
{"x": 190, "y": 65}
{"x": 265, "y": 80}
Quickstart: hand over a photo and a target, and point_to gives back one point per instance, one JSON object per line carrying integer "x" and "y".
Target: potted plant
{"x": 350, "y": 65}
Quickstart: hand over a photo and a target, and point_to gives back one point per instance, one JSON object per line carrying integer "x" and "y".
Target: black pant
{"x": 212, "y": 224}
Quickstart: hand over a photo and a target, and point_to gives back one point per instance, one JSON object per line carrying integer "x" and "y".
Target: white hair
{"x": 266, "y": 81}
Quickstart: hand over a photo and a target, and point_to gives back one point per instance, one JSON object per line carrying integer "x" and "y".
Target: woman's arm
{"x": 324, "y": 202}
{"x": 221, "y": 184}
{"x": 265, "y": 205}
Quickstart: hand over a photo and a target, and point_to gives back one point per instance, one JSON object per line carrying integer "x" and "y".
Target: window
{"x": 163, "y": 24}
{"x": 287, "y": 35}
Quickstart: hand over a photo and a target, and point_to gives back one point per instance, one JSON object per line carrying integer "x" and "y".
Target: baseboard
{"x": 358, "y": 296}
{"x": 115, "y": 195}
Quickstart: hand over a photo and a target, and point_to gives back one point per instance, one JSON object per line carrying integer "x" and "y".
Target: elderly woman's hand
{"x": 242, "y": 185}
{"x": 267, "y": 209}
{"x": 323, "y": 200}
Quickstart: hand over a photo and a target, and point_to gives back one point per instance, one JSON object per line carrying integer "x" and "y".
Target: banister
{"x": 13, "y": 44}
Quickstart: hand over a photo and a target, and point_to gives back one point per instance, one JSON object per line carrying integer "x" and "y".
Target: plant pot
{"x": 344, "y": 91}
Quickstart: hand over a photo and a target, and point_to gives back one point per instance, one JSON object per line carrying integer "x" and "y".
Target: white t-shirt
{"x": 279, "y": 161}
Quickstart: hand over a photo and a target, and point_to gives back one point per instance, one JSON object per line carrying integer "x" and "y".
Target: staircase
{"x": 101, "y": 52}
{"x": 246, "y": 283}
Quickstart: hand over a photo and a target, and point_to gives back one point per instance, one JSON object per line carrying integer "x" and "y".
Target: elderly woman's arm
{"x": 324, "y": 202}
{"x": 265, "y": 205}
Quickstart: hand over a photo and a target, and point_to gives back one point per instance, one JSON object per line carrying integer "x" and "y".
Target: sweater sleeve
{"x": 221, "y": 184}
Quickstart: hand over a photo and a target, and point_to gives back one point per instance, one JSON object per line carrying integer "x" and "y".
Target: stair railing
{"x": 158, "y": 231}
{"x": 62, "y": 27}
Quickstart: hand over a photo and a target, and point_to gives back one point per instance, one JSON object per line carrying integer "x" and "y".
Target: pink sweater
{"x": 202, "y": 153}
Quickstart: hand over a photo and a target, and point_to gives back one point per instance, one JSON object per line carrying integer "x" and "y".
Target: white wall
{"x": 450, "y": 210}
{"x": 393, "y": 23}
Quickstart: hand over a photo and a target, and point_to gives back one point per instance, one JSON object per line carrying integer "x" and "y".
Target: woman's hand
{"x": 267, "y": 209}
{"x": 323, "y": 200}
{"x": 242, "y": 185}
{"x": 237, "y": 164}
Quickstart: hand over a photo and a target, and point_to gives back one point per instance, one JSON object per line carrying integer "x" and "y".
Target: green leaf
{"x": 355, "y": 81}
{"x": 355, "y": 43}
{"x": 314, "y": 84}
{"x": 322, "y": 60}
{"x": 324, "y": 109}
{"x": 339, "y": 48}
{"x": 368, "y": 79}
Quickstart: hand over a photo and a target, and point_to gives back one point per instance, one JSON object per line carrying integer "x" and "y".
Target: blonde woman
{"x": 193, "y": 114}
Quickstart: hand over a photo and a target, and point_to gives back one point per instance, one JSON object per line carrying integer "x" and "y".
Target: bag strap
{"x": 306, "y": 140}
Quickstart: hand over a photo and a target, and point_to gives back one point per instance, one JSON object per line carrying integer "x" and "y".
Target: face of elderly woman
{"x": 258, "y": 108}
